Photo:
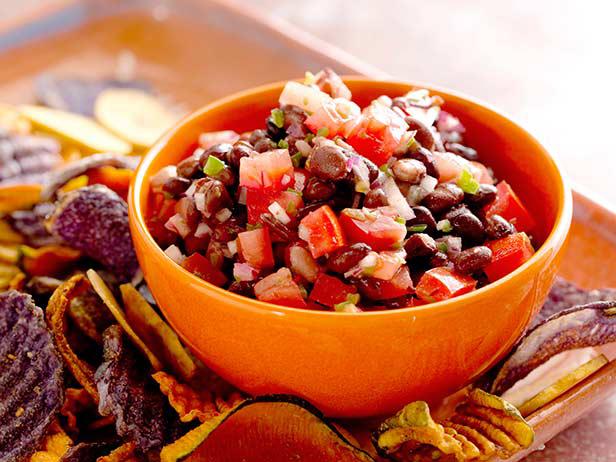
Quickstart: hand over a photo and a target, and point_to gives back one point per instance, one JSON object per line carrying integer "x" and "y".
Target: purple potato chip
{"x": 565, "y": 294}
{"x": 31, "y": 383}
{"x": 81, "y": 166}
{"x": 582, "y": 326}
{"x": 31, "y": 224}
{"x": 94, "y": 220}
{"x": 78, "y": 95}
{"x": 88, "y": 451}
{"x": 128, "y": 392}
{"x": 26, "y": 158}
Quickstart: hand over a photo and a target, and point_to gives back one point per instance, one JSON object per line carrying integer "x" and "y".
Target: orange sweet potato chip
{"x": 49, "y": 260}
{"x": 187, "y": 402}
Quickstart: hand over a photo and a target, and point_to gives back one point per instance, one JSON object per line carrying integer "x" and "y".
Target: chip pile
{"x": 96, "y": 374}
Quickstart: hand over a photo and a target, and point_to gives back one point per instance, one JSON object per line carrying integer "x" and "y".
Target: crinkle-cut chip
{"x": 565, "y": 294}
{"x": 515, "y": 427}
{"x": 492, "y": 432}
{"x": 109, "y": 300}
{"x": 124, "y": 453}
{"x": 414, "y": 424}
{"x": 562, "y": 385}
{"x": 268, "y": 428}
{"x": 128, "y": 393}
{"x": 94, "y": 220}
{"x": 31, "y": 382}
{"x": 90, "y": 315}
{"x": 57, "y": 307}
{"x": 87, "y": 451}
{"x": 53, "y": 447}
{"x": 484, "y": 445}
{"x": 469, "y": 450}
{"x": 49, "y": 260}
{"x": 156, "y": 333}
{"x": 582, "y": 326}
{"x": 79, "y": 167}
{"x": 185, "y": 401}
{"x": 76, "y": 401}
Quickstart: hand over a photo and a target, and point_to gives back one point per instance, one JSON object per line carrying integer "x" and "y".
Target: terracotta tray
{"x": 195, "y": 51}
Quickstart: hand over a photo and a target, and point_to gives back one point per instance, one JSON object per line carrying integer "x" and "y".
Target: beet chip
{"x": 128, "y": 393}
{"x": 31, "y": 385}
{"x": 94, "y": 219}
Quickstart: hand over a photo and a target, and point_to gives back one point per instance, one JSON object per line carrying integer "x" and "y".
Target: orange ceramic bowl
{"x": 366, "y": 364}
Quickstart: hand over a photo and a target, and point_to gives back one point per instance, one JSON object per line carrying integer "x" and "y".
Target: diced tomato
{"x": 162, "y": 209}
{"x": 398, "y": 286}
{"x": 443, "y": 283}
{"x": 377, "y": 133}
{"x": 321, "y": 230}
{"x": 255, "y": 248}
{"x": 258, "y": 201}
{"x": 375, "y": 227}
{"x": 116, "y": 179}
{"x": 333, "y": 115}
{"x": 269, "y": 170}
{"x": 508, "y": 254}
{"x": 329, "y": 290}
{"x": 450, "y": 165}
{"x": 202, "y": 267}
{"x": 509, "y": 206}
{"x": 196, "y": 244}
{"x": 280, "y": 289}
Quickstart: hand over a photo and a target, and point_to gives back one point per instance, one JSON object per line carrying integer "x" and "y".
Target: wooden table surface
{"x": 547, "y": 63}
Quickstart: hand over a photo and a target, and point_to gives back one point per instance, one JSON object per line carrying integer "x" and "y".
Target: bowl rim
{"x": 557, "y": 235}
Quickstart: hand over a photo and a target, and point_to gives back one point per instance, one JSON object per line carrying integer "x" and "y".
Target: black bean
{"x": 328, "y": 163}
{"x": 216, "y": 196}
{"x": 345, "y": 258}
{"x": 497, "y": 227}
{"x": 373, "y": 170}
{"x": 219, "y": 151}
{"x": 318, "y": 190}
{"x": 264, "y": 145}
{"x": 257, "y": 135}
{"x": 424, "y": 135}
{"x": 439, "y": 259}
{"x": 293, "y": 115}
{"x": 465, "y": 224}
{"x": 227, "y": 231}
{"x": 426, "y": 157}
{"x": 277, "y": 228}
{"x": 473, "y": 260}
{"x": 420, "y": 245}
{"x": 190, "y": 168}
{"x": 461, "y": 150}
{"x": 226, "y": 176}
{"x": 375, "y": 198}
{"x": 275, "y": 132}
{"x": 423, "y": 216}
{"x": 188, "y": 211}
{"x": 240, "y": 149}
{"x": 485, "y": 195}
{"x": 176, "y": 185}
{"x": 408, "y": 170}
{"x": 445, "y": 196}
{"x": 245, "y": 288}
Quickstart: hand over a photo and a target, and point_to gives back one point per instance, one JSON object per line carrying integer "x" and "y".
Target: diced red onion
{"x": 397, "y": 200}
{"x": 203, "y": 230}
{"x": 175, "y": 254}
{"x": 279, "y": 213}
{"x": 223, "y": 215}
{"x": 241, "y": 198}
{"x": 244, "y": 272}
{"x": 199, "y": 201}
{"x": 300, "y": 181}
{"x": 303, "y": 147}
{"x": 209, "y": 139}
{"x": 362, "y": 175}
{"x": 190, "y": 192}
{"x": 158, "y": 180}
{"x": 303, "y": 264}
{"x": 178, "y": 225}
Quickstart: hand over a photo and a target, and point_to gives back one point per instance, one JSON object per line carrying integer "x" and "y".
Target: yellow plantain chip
{"x": 133, "y": 115}
{"x": 483, "y": 398}
{"x": 186, "y": 444}
{"x": 9, "y": 253}
{"x": 185, "y": 401}
{"x": 484, "y": 445}
{"x": 13, "y": 121}
{"x": 18, "y": 197}
{"x": 75, "y": 129}
{"x": 493, "y": 433}
{"x": 109, "y": 300}
{"x": 562, "y": 385}
{"x": 8, "y": 235}
{"x": 516, "y": 427}
{"x": 156, "y": 333}
{"x": 57, "y": 307}
{"x": 53, "y": 447}
{"x": 469, "y": 450}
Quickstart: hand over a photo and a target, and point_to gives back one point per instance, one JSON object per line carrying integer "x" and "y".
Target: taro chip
{"x": 128, "y": 393}
{"x": 565, "y": 294}
{"x": 161, "y": 339}
{"x": 109, "y": 300}
{"x": 94, "y": 220}
{"x": 90, "y": 315}
{"x": 31, "y": 383}
{"x": 59, "y": 304}
{"x": 589, "y": 325}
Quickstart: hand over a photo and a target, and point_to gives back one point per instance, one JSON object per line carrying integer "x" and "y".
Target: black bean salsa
{"x": 335, "y": 207}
